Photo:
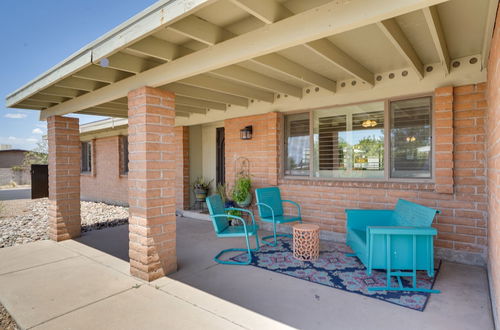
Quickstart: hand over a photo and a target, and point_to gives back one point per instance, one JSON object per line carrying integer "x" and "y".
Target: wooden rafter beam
{"x": 434, "y": 23}
{"x": 268, "y": 11}
{"x": 336, "y": 56}
{"x": 228, "y": 87}
{"x": 80, "y": 84}
{"x": 48, "y": 98}
{"x": 283, "y": 65}
{"x": 157, "y": 48}
{"x": 204, "y": 104}
{"x": 200, "y": 30}
{"x": 238, "y": 73}
{"x": 59, "y": 91}
{"x": 99, "y": 73}
{"x": 394, "y": 33}
{"x": 129, "y": 63}
{"x": 189, "y": 109}
{"x": 205, "y": 94}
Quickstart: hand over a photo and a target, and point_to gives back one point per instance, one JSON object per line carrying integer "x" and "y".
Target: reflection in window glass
{"x": 349, "y": 141}
{"x": 411, "y": 138}
{"x": 297, "y": 144}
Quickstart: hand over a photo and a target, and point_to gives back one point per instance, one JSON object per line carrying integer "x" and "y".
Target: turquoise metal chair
{"x": 219, "y": 217}
{"x": 395, "y": 240}
{"x": 270, "y": 206}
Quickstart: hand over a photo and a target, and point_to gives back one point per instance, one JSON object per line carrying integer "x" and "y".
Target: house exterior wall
{"x": 105, "y": 183}
{"x": 9, "y": 158}
{"x": 493, "y": 154}
{"x": 459, "y": 189}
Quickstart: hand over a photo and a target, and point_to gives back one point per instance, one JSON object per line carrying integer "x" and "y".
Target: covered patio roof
{"x": 232, "y": 55}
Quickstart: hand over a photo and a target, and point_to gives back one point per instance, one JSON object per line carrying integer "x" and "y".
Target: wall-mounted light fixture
{"x": 246, "y": 133}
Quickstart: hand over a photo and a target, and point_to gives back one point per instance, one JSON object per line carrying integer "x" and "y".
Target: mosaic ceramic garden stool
{"x": 306, "y": 242}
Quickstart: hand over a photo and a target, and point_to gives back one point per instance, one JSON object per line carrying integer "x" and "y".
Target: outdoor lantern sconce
{"x": 246, "y": 133}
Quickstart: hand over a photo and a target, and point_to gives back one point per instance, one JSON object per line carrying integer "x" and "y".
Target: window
{"x": 86, "y": 157}
{"x": 360, "y": 142}
{"x": 297, "y": 144}
{"x": 411, "y": 138}
{"x": 123, "y": 154}
{"x": 349, "y": 141}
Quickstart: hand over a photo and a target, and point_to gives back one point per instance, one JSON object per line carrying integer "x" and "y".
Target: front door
{"x": 220, "y": 157}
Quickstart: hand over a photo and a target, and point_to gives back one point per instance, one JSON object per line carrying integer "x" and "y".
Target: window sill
{"x": 424, "y": 185}
{"x": 86, "y": 174}
{"x": 124, "y": 175}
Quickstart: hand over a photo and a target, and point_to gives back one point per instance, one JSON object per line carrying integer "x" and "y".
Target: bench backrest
{"x": 270, "y": 196}
{"x": 216, "y": 207}
{"x": 407, "y": 213}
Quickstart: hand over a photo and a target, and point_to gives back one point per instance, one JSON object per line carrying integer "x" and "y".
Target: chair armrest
{"x": 272, "y": 211}
{"x": 241, "y": 210}
{"x": 232, "y": 217}
{"x": 360, "y": 219}
{"x": 292, "y": 202}
{"x": 401, "y": 230}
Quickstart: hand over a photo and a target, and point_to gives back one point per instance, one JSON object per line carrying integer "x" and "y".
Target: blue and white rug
{"x": 335, "y": 269}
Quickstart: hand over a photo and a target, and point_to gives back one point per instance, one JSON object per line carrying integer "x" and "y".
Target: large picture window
{"x": 376, "y": 140}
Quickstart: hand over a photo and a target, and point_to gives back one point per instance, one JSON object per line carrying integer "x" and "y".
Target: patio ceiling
{"x": 218, "y": 54}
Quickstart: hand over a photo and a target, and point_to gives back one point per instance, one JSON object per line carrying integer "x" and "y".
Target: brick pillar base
{"x": 151, "y": 179}
{"x": 182, "y": 169}
{"x": 64, "y": 177}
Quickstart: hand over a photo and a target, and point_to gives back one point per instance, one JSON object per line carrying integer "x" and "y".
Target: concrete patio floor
{"x": 85, "y": 284}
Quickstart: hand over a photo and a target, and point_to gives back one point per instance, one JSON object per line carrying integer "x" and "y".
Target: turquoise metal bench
{"x": 219, "y": 217}
{"x": 399, "y": 241}
{"x": 270, "y": 206}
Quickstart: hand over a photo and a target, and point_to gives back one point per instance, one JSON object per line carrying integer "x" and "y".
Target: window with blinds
{"x": 349, "y": 141}
{"x": 297, "y": 144}
{"x": 411, "y": 145}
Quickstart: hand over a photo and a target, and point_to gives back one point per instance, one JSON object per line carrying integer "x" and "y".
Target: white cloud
{"x": 19, "y": 142}
{"x": 37, "y": 131}
{"x": 16, "y": 115}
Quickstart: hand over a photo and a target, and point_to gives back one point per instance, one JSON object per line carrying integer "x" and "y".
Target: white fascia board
{"x": 148, "y": 21}
{"x": 103, "y": 124}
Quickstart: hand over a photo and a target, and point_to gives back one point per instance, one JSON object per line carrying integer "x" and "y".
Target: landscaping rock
{"x": 26, "y": 221}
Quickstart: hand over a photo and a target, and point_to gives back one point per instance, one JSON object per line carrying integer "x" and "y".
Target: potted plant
{"x": 222, "y": 191}
{"x": 242, "y": 193}
{"x": 201, "y": 187}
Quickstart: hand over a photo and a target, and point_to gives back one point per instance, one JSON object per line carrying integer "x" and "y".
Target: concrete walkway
{"x": 84, "y": 284}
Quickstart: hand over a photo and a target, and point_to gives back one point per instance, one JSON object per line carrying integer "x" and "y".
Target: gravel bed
{"x": 25, "y": 221}
{"x": 6, "y": 321}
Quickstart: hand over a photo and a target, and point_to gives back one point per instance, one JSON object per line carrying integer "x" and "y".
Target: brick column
{"x": 443, "y": 112}
{"x": 64, "y": 177}
{"x": 182, "y": 168}
{"x": 151, "y": 178}
{"x": 273, "y": 143}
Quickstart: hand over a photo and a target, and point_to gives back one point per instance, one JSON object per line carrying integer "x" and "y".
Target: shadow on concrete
{"x": 113, "y": 241}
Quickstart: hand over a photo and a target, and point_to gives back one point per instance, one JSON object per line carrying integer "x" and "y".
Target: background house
{"x": 10, "y": 167}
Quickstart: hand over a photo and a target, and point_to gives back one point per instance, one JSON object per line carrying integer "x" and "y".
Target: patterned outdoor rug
{"x": 335, "y": 269}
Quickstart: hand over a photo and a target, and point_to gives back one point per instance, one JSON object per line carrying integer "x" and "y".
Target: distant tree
{"x": 39, "y": 155}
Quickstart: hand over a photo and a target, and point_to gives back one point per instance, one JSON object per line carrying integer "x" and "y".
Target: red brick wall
{"x": 182, "y": 169}
{"x": 459, "y": 191}
{"x": 105, "y": 183}
{"x": 493, "y": 152}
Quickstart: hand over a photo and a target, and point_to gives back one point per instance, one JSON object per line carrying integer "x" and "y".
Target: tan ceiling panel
{"x": 222, "y": 13}
{"x": 417, "y": 31}
{"x": 371, "y": 48}
{"x": 463, "y": 25}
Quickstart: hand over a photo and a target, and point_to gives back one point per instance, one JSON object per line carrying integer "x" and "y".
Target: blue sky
{"x": 37, "y": 34}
